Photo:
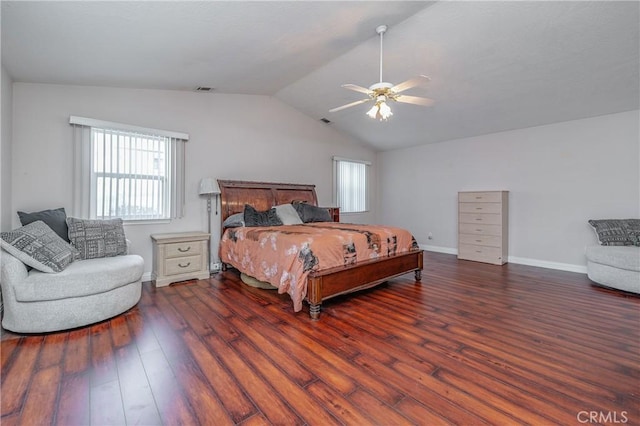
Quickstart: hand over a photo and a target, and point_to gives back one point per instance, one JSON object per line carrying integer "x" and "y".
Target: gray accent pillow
{"x": 234, "y": 221}
{"x": 97, "y": 238}
{"x": 310, "y": 213}
{"x": 632, "y": 226}
{"x": 611, "y": 232}
{"x": 37, "y": 246}
{"x": 56, "y": 219}
{"x": 253, "y": 217}
{"x": 288, "y": 214}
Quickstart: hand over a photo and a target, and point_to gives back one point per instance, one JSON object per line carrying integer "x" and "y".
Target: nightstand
{"x": 180, "y": 256}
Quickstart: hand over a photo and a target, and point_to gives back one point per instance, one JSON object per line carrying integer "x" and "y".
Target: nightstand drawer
{"x": 481, "y": 240}
{"x": 182, "y": 265}
{"x": 189, "y": 248}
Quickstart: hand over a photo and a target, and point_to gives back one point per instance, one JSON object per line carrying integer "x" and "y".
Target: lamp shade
{"x": 209, "y": 186}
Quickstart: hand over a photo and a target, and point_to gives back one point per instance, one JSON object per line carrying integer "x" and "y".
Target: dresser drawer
{"x": 182, "y": 265}
{"x": 481, "y": 253}
{"x": 481, "y": 240}
{"x": 483, "y": 218}
{"x": 480, "y": 229}
{"x": 189, "y": 248}
{"x": 480, "y": 208}
{"x": 480, "y": 197}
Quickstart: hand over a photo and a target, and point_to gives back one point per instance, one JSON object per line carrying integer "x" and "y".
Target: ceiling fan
{"x": 382, "y": 92}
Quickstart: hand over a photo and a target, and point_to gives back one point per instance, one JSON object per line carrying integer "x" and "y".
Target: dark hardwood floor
{"x": 473, "y": 344}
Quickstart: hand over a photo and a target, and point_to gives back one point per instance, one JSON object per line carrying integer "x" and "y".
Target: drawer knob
{"x": 184, "y": 266}
{"x": 478, "y": 208}
{"x": 478, "y": 241}
{"x": 478, "y": 218}
{"x": 181, "y": 250}
{"x": 479, "y": 230}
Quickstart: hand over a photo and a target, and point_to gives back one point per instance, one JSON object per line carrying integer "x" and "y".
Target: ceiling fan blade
{"x": 357, "y": 88}
{"x": 412, "y": 82}
{"x": 415, "y": 100}
{"x": 349, "y": 105}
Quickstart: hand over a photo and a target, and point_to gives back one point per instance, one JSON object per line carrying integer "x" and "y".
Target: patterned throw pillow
{"x": 611, "y": 232}
{"x": 632, "y": 226}
{"x": 97, "y": 238}
{"x": 38, "y": 246}
{"x": 253, "y": 217}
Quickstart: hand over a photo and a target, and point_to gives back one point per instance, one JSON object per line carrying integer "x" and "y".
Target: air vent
{"x": 324, "y": 120}
{"x": 204, "y": 89}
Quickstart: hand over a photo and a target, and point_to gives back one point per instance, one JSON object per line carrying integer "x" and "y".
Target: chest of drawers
{"x": 180, "y": 256}
{"x": 483, "y": 226}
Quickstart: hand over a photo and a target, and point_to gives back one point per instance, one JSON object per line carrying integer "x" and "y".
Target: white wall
{"x": 559, "y": 176}
{"x": 231, "y": 137}
{"x": 6, "y": 96}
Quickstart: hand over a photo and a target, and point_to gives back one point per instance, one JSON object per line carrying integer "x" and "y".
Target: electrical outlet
{"x": 215, "y": 267}
{"x": 430, "y": 236}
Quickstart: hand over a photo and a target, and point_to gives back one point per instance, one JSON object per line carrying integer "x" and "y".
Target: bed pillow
{"x": 288, "y": 214}
{"x": 54, "y": 218}
{"x": 234, "y": 221}
{"x": 97, "y": 238}
{"x": 310, "y": 213}
{"x": 253, "y": 217}
{"x": 611, "y": 232}
{"x": 38, "y": 246}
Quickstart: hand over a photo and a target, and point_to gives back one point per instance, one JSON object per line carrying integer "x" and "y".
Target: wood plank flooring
{"x": 473, "y": 344}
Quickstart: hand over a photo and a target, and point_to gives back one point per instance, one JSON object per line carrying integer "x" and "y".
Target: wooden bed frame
{"x": 328, "y": 283}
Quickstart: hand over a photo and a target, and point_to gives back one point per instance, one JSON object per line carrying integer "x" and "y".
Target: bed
{"x": 394, "y": 255}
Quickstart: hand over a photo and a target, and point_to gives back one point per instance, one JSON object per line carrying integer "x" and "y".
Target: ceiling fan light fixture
{"x": 380, "y": 111}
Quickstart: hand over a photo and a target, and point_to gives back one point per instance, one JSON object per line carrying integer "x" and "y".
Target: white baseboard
{"x": 148, "y": 276}
{"x": 438, "y": 249}
{"x": 581, "y": 269}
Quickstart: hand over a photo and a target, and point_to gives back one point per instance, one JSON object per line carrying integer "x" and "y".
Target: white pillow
{"x": 288, "y": 214}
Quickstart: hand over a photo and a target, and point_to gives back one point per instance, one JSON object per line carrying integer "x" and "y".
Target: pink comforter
{"x": 285, "y": 255}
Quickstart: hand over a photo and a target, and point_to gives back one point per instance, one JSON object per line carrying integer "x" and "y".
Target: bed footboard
{"x": 337, "y": 281}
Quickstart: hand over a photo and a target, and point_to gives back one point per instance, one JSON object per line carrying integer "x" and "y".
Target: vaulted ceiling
{"x": 494, "y": 66}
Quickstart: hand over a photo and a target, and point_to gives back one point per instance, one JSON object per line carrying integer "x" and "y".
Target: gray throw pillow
{"x": 611, "y": 232}
{"x": 632, "y": 227}
{"x": 54, "y": 218}
{"x": 36, "y": 245}
{"x": 253, "y": 217}
{"x": 288, "y": 214}
{"x": 310, "y": 213}
{"x": 97, "y": 238}
{"x": 234, "y": 221}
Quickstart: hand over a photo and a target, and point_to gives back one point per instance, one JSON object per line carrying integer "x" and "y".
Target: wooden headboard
{"x": 234, "y": 194}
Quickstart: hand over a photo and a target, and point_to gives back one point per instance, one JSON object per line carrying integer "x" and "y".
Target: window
{"x": 351, "y": 185}
{"x": 127, "y": 172}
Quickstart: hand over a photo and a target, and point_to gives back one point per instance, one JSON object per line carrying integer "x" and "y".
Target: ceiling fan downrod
{"x": 381, "y": 30}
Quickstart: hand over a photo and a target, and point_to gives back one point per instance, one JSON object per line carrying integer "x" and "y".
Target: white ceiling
{"x": 494, "y": 65}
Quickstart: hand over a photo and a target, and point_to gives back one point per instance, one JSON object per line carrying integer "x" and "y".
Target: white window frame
{"x": 86, "y": 178}
{"x": 365, "y": 193}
